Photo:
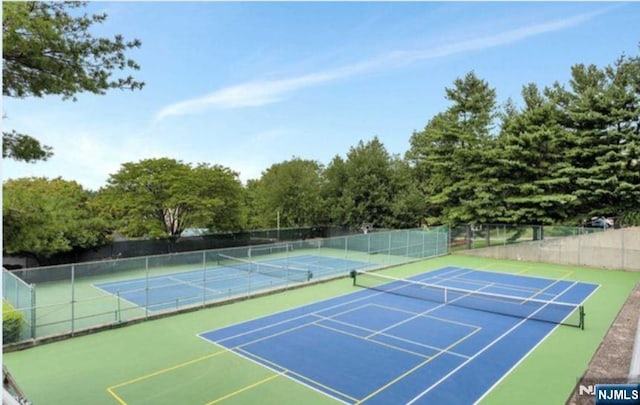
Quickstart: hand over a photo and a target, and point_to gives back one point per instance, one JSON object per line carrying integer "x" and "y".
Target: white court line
{"x": 427, "y": 316}
{"x": 485, "y": 348}
{"x": 371, "y": 332}
{"x": 529, "y": 352}
{"x": 285, "y": 372}
{"x": 429, "y": 310}
{"x": 366, "y": 297}
{"x": 390, "y": 346}
{"x": 507, "y": 286}
{"x": 198, "y": 286}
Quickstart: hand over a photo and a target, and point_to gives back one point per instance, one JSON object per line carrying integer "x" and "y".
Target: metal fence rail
{"x": 81, "y": 296}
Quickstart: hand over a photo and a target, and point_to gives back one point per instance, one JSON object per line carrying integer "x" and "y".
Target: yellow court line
{"x": 565, "y": 273}
{"x": 424, "y": 356}
{"x": 420, "y": 365}
{"x": 528, "y": 268}
{"x": 113, "y": 394}
{"x": 241, "y": 390}
{"x": 291, "y": 372}
{"x": 111, "y": 389}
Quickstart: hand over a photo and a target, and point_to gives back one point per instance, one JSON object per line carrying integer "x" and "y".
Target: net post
{"x": 352, "y": 274}
{"x": 581, "y": 311}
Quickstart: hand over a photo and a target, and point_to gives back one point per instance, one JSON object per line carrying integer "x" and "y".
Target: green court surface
{"x": 164, "y": 361}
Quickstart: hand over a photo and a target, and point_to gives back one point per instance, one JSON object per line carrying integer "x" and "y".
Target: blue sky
{"x": 247, "y": 85}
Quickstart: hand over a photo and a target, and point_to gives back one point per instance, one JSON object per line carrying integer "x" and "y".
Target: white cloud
{"x": 258, "y": 93}
{"x": 245, "y": 95}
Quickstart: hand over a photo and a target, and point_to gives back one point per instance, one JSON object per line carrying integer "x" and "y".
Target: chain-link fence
{"x": 21, "y": 296}
{"x": 81, "y": 296}
{"x": 121, "y": 249}
{"x": 465, "y": 237}
{"x": 594, "y": 247}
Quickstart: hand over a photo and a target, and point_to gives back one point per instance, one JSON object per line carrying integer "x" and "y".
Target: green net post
{"x": 581, "y": 310}
{"x": 352, "y": 274}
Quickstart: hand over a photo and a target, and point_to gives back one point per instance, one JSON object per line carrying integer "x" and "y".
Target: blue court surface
{"x": 175, "y": 290}
{"x": 382, "y": 346}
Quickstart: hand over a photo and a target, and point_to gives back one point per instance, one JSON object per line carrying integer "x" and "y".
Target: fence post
{"x": 408, "y": 239}
{"x": 346, "y": 246}
{"x": 504, "y": 234}
{"x": 623, "y": 253}
{"x": 204, "y": 278}
{"x": 119, "y": 313}
{"x": 580, "y": 249}
{"x": 146, "y": 287}
{"x": 487, "y": 236}
{"x": 33, "y": 311}
{"x": 73, "y": 299}
{"x": 17, "y": 293}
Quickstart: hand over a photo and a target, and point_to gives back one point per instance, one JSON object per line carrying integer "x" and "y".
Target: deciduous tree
{"x": 48, "y": 49}
{"x": 43, "y": 217}
{"x": 163, "y": 197}
{"x": 290, "y": 190}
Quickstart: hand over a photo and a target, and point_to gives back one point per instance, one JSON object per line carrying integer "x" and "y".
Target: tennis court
{"x": 168, "y": 360}
{"x": 445, "y": 336}
{"x": 232, "y": 277}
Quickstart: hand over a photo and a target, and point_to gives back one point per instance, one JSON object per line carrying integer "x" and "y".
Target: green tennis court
{"x": 164, "y": 361}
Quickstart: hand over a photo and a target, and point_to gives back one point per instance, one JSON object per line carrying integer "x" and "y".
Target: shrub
{"x": 630, "y": 218}
{"x": 12, "y": 323}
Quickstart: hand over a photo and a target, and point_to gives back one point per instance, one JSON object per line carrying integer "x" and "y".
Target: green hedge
{"x": 12, "y": 323}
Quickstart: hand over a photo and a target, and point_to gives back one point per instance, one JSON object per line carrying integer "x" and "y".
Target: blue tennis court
{"x": 231, "y": 278}
{"x": 442, "y": 337}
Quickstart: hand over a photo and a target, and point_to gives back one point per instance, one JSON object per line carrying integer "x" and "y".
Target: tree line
{"x": 567, "y": 153}
{"x": 562, "y": 154}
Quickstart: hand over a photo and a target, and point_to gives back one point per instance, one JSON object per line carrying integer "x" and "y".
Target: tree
{"x": 44, "y": 217}
{"x": 46, "y": 50}
{"x": 533, "y": 142}
{"x": 222, "y": 198}
{"x": 408, "y": 204}
{"x": 603, "y": 112}
{"x": 163, "y": 197}
{"x": 370, "y": 187}
{"x": 290, "y": 190}
{"x": 455, "y": 158}
{"x": 23, "y": 147}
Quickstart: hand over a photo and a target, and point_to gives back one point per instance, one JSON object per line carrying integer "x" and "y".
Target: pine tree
{"x": 455, "y": 157}
{"x": 532, "y": 142}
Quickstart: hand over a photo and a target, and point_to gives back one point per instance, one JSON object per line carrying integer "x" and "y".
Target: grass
{"x": 165, "y": 362}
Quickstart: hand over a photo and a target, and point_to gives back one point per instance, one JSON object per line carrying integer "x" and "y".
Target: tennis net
{"x": 521, "y": 307}
{"x": 268, "y": 269}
